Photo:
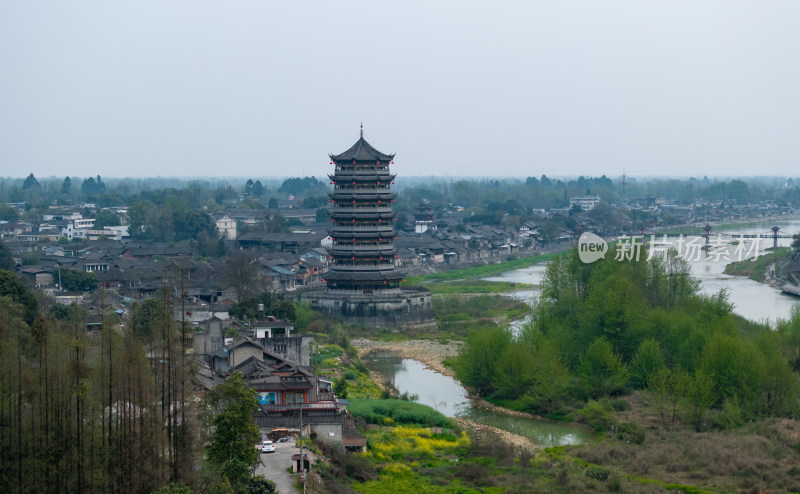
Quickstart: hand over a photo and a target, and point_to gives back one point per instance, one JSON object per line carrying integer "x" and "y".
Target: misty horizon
{"x": 197, "y": 89}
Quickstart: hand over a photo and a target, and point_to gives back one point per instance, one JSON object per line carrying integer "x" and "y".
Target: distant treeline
{"x": 172, "y": 210}
{"x": 531, "y": 192}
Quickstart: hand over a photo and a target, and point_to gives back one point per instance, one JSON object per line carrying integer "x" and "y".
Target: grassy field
{"x": 761, "y": 456}
{"x": 478, "y": 272}
{"x": 457, "y": 315}
{"x": 755, "y": 268}
{"x": 418, "y": 458}
{"x": 475, "y": 286}
{"x": 392, "y": 411}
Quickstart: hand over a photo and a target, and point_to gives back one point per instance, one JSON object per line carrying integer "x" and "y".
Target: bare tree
{"x": 240, "y": 274}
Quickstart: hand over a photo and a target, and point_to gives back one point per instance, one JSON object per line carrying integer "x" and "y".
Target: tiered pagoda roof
{"x": 363, "y": 253}
{"x": 362, "y": 151}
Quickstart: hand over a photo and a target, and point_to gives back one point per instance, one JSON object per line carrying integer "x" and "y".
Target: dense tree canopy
{"x": 12, "y": 286}
{"x": 104, "y": 218}
{"x": 6, "y": 257}
{"x": 77, "y": 281}
{"x": 168, "y": 222}
{"x": 302, "y": 186}
{"x": 8, "y": 213}
{"x": 274, "y": 305}
{"x": 610, "y": 327}
{"x": 92, "y": 187}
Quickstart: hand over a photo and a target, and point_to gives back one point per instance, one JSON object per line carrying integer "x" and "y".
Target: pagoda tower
{"x": 362, "y": 253}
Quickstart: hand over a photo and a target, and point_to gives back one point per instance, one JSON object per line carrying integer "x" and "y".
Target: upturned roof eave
{"x": 361, "y": 151}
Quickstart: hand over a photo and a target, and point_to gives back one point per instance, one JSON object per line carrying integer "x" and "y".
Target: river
{"x": 446, "y": 395}
{"x": 751, "y": 299}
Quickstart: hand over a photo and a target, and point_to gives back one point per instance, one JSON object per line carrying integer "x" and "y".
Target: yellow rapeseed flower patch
{"x": 414, "y": 442}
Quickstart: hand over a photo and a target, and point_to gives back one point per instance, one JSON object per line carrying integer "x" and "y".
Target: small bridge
{"x": 723, "y": 235}
{"x": 706, "y": 233}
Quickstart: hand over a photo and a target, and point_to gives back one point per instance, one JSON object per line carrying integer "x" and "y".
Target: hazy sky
{"x": 266, "y": 88}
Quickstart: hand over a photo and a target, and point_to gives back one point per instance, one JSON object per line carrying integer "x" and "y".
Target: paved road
{"x": 273, "y": 466}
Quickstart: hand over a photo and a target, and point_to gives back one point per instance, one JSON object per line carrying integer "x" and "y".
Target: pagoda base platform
{"x": 400, "y": 308}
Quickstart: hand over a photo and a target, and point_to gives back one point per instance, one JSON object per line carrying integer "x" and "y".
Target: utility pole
{"x": 302, "y": 459}
{"x": 624, "y": 183}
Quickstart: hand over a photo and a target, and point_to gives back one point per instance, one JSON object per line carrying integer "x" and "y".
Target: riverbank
{"x": 432, "y": 355}
{"x": 698, "y": 226}
{"x": 518, "y": 442}
{"x": 761, "y": 269}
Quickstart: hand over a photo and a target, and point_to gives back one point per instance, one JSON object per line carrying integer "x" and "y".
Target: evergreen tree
{"x": 602, "y": 372}
{"x": 30, "y": 183}
{"x": 234, "y": 435}
{"x": 66, "y": 186}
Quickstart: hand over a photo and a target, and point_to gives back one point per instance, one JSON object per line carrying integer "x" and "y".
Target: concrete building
{"x": 586, "y": 203}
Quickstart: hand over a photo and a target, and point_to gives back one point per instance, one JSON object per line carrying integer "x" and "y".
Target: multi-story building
{"x": 586, "y": 203}
{"x": 363, "y": 285}
{"x": 362, "y": 252}
{"x": 423, "y": 219}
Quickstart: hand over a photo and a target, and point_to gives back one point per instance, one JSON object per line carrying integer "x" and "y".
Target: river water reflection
{"x": 446, "y": 395}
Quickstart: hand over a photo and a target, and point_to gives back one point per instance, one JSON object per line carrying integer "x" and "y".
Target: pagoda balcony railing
{"x": 348, "y": 176}
{"x": 371, "y": 169}
{"x": 361, "y": 209}
{"x": 361, "y": 205}
{"x": 344, "y": 246}
{"x": 371, "y": 255}
{"x": 344, "y": 240}
{"x": 377, "y": 228}
{"x": 362, "y": 267}
{"x": 362, "y": 199}
{"x": 362, "y": 195}
{"x": 381, "y": 189}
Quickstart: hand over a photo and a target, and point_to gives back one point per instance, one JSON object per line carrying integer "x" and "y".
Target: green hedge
{"x": 400, "y": 411}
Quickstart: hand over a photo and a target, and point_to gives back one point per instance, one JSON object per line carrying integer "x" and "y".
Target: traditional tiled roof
{"x": 362, "y": 151}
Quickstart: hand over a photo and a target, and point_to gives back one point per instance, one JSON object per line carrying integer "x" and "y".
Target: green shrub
{"x": 620, "y": 405}
{"x": 328, "y": 362}
{"x": 731, "y": 415}
{"x": 400, "y": 411}
{"x": 597, "y": 472}
{"x": 631, "y": 432}
{"x": 597, "y": 416}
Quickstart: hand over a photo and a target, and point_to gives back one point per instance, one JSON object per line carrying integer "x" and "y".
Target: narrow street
{"x": 274, "y": 466}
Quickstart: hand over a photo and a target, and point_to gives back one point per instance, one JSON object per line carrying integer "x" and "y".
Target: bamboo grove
{"x": 109, "y": 409}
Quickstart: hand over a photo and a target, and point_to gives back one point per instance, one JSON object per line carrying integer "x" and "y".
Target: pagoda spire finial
{"x": 362, "y": 130}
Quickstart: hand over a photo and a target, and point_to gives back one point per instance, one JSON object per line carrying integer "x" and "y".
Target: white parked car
{"x": 267, "y": 447}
